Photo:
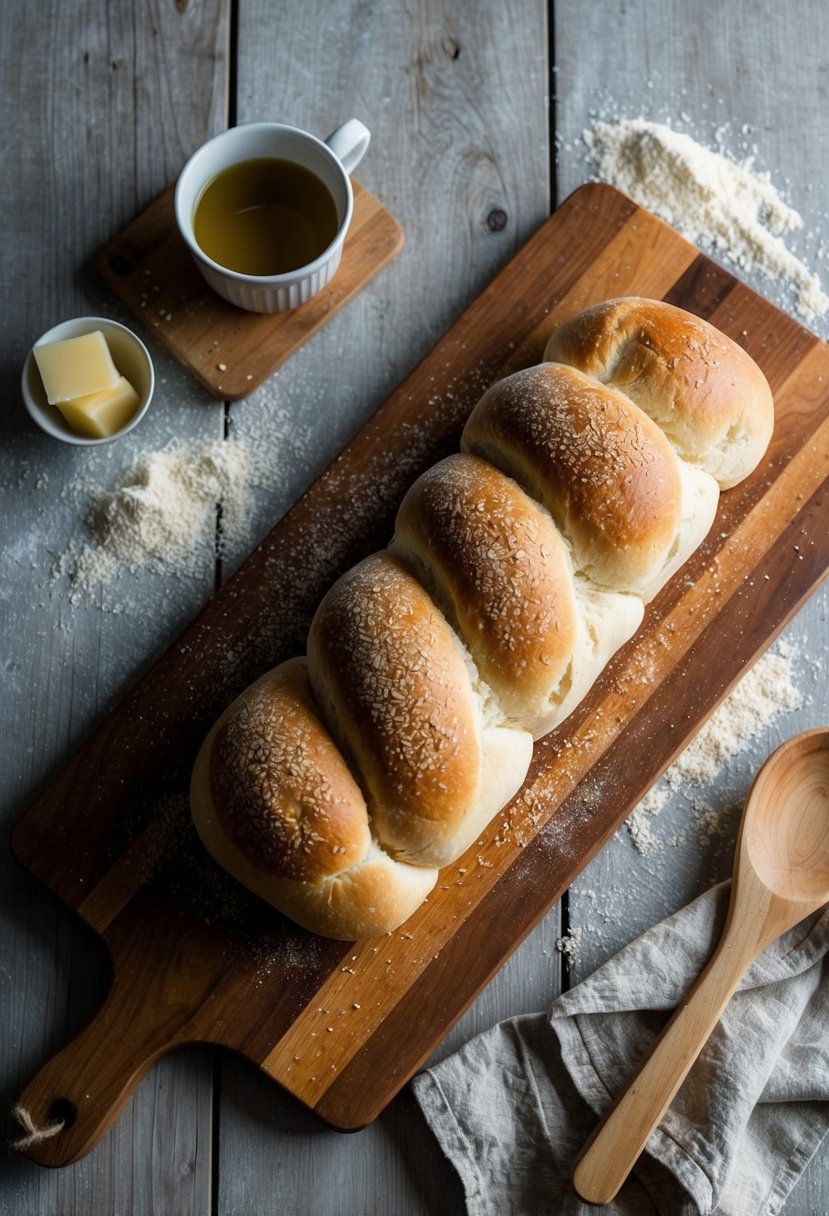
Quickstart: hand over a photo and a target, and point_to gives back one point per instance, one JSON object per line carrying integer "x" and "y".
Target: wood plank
{"x": 711, "y": 81}
{"x": 104, "y": 113}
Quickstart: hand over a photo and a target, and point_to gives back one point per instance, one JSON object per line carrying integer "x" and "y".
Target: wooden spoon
{"x": 781, "y": 874}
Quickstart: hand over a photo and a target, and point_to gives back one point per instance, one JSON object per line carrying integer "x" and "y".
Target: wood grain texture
{"x": 99, "y": 115}
{"x": 229, "y": 351}
{"x": 344, "y": 1026}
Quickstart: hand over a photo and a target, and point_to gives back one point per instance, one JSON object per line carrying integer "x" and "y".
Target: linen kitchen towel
{"x": 514, "y": 1107}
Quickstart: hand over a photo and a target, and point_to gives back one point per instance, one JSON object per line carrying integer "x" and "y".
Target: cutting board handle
{"x": 162, "y": 977}
{"x": 89, "y": 1081}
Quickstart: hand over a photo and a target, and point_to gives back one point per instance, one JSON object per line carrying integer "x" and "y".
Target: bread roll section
{"x": 496, "y": 563}
{"x": 708, "y": 396}
{"x": 337, "y": 785}
{"x": 607, "y": 474}
{"x": 399, "y": 690}
{"x": 276, "y": 804}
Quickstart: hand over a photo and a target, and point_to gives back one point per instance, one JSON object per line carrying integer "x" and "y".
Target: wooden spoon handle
{"x": 612, "y": 1151}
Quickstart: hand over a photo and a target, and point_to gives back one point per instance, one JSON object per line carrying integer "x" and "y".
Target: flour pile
{"x": 723, "y": 204}
{"x": 164, "y": 513}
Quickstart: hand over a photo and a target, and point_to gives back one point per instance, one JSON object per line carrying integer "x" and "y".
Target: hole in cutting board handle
{"x": 63, "y": 1111}
{"x": 120, "y": 265}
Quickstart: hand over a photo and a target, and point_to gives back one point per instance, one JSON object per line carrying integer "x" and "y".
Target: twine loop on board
{"x": 33, "y": 1134}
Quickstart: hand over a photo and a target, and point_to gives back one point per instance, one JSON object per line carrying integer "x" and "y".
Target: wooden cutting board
{"x": 342, "y": 1027}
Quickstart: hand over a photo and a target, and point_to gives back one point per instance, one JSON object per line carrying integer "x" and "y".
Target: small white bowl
{"x": 130, "y": 356}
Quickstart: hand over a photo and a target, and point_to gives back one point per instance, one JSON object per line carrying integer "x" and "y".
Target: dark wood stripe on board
{"x": 702, "y": 288}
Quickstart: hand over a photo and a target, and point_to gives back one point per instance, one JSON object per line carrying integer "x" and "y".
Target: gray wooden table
{"x": 468, "y": 102}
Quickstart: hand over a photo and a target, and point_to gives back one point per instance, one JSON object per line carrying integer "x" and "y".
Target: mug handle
{"x": 349, "y": 143}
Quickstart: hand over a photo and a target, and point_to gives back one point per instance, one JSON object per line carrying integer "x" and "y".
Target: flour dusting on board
{"x": 727, "y": 205}
{"x": 766, "y": 691}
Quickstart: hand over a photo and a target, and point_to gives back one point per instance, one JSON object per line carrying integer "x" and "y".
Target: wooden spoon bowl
{"x": 781, "y": 875}
{"x": 786, "y": 834}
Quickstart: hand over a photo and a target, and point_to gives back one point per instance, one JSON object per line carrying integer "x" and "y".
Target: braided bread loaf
{"x": 337, "y": 784}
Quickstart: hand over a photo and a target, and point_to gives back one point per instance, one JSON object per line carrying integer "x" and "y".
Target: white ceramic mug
{"x": 332, "y": 160}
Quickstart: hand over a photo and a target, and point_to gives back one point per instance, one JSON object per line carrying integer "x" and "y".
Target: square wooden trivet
{"x": 231, "y": 352}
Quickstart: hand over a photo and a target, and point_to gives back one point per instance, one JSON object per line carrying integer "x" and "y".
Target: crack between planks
{"x": 215, "y": 1126}
{"x": 551, "y": 104}
{"x": 232, "y": 118}
{"x": 218, "y": 578}
{"x": 564, "y": 930}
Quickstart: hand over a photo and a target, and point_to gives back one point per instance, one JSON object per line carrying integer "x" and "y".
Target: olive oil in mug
{"x": 265, "y": 216}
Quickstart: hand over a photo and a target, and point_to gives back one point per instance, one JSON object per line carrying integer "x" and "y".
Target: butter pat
{"x": 100, "y": 415}
{"x": 75, "y": 367}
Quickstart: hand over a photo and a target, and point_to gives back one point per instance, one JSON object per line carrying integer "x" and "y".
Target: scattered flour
{"x": 712, "y": 199}
{"x": 164, "y": 512}
{"x": 640, "y": 822}
{"x": 570, "y": 944}
{"x": 764, "y": 692}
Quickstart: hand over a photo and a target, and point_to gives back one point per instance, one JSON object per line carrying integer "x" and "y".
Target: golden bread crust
{"x": 282, "y": 790}
{"x": 390, "y": 669}
{"x": 499, "y": 558}
{"x": 705, "y": 391}
{"x": 603, "y": 469}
